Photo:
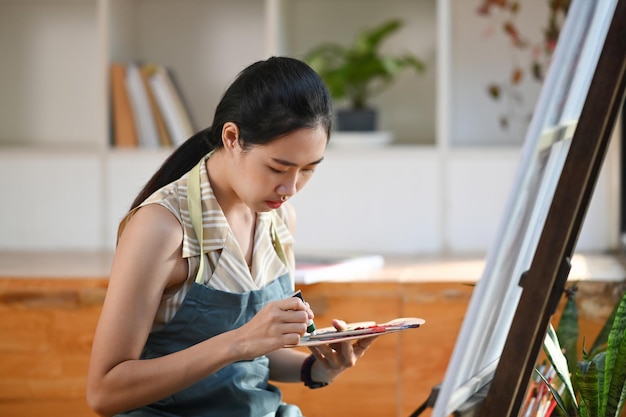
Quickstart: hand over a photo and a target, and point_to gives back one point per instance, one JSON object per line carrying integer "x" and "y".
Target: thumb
{"x": 339, "y": 324}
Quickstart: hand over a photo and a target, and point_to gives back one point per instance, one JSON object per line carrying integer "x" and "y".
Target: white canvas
{"x": 495, "y": 298}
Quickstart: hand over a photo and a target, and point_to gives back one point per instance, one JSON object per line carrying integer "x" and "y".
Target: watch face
{"x": 314, "y": 384}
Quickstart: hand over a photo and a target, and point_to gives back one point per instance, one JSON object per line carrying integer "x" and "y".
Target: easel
{"x": 544, "y": 281}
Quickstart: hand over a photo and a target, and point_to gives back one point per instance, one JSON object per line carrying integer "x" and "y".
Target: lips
{"x": 274, "y": 204}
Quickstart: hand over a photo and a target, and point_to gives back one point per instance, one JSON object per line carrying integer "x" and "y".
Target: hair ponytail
{"x": 185, "y": 157}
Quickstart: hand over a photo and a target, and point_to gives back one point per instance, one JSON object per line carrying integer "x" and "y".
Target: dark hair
{"x": 267, "y": 100}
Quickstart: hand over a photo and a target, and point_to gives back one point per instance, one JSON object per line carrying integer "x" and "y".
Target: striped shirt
{"x": 225, "y": 265}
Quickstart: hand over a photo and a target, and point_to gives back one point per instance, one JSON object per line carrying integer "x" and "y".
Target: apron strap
{"x": 194, "y": 206}
{"x": 278, "y": 247}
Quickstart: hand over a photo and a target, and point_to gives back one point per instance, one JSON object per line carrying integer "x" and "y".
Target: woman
{"x": 184, "y": 334}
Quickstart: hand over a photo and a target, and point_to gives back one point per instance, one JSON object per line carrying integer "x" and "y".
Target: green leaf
{"x": 587, "y": 381}
{"x": 600, "y": 361}
{"x": 615, "y": 367}
{"x": 555, "y": 393}
{"x": 558, "y": 361}
{"x": 567, "y": 331}
{"x": 369, "y": 40}
{"x": 358, "y": 71}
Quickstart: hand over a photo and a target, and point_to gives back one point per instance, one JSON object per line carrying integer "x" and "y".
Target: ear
{"x": 230, "y": 136}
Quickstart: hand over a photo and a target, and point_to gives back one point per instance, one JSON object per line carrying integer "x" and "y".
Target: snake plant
{"x": 595, "y": 384}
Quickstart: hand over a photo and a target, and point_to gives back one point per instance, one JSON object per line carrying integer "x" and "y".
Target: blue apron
{"x": 240, "y": 389}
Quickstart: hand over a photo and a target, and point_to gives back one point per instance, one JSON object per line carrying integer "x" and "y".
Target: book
{"x": 171, "y": 105}
{"x": 310, "y": 270}
{"x": 124, "y": 129}
{"x": 164, "y": 137}
{"x": 147, "y": 133}
{"x": 181, "y": 104}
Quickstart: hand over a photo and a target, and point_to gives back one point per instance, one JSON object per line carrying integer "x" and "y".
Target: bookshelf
{"x": 407, "y": 108}
{"x": 51, "y": 75}
{"x": 55, "y": 129}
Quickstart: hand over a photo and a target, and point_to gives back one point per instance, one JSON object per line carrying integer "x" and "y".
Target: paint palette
{"x": 359, "y": 330}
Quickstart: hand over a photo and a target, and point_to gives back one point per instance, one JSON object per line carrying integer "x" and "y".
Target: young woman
{"x": 199, "y": 309}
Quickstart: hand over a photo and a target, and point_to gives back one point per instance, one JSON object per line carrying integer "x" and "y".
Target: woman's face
{"x": 265, "y": 173}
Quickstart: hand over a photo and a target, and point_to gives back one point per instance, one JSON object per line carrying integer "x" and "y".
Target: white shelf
{"x": 204, "y": 43}
{"x": 68, "y": 188}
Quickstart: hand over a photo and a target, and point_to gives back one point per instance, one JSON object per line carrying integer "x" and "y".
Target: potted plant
{"x": 594, "y": 385}
{"x": 358, "y": 72}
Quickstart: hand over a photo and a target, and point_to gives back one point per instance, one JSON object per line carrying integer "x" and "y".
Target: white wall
{"x": 401, "y": 200}
{"x": 481, "y": 55}
{"x": 373, "y": 200}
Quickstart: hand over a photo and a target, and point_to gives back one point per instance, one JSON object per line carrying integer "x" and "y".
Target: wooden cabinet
{"x": 424, "y": 354}
{"x": 47, "y": 327}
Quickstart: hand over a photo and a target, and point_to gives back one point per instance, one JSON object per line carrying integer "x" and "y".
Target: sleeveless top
{"x": 233, "y": 273}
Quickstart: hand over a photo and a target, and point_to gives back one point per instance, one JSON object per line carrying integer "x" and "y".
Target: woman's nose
{"x": 289, "y": 186}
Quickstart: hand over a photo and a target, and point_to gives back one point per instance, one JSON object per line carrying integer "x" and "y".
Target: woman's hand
{"x": 334, "y": 358}
{"x": 278, "y": 324}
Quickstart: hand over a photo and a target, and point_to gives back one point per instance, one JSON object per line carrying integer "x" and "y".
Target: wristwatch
{"x": 305, "y": 374}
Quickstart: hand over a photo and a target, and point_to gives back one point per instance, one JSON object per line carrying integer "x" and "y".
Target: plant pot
{"x": 357, "y": 120}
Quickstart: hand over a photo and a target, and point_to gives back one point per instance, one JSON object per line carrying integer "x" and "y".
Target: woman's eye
{"x": 277, "y": 171}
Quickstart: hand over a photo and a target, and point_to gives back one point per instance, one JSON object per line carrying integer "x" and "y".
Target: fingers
{"x": 339, "y": 324}
{"x": 291, "y": 303}
{"x": 290, "y": 310}
{"x": 281, "y": 318}
{"x": 326, "y": 355}
{"x": 298, "y": 296}
{"x": 356, "y": 349}
{"x": 309, "y": 311}
{"x": 296, "y": 304}
{"x": 279, "y": 323}
{"x": 366, "y": 342}
{"x": 361, "y": 345}
{"x": 342, "y": 355}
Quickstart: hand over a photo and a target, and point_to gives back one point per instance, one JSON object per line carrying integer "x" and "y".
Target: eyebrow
{"x": 292, "y": 164}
